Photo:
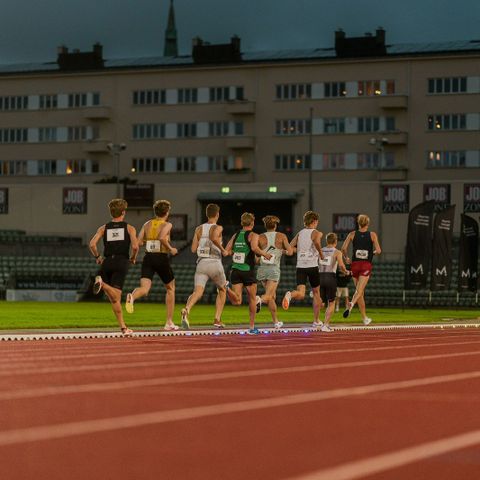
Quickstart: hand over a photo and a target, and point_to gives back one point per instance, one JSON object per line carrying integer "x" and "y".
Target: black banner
{"x": 139, "y": 195}
{"x": 3, "y": 201}
{"x": 419, "y": 246}
{"x": 344, "y": 223}
{"x": 438, "y": 193}
{"x": 74, "y": 201}
{"x": 179, "y": 226}
{"x": 471, "y": 197}
{"x": 395, "y": 199}
{"x": 468, "y": 255}
{"x": 442, "y": 249}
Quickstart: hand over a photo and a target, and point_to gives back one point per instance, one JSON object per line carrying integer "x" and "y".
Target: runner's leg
{"x": 170, "y": 303}
{"x": 252, "y": 303}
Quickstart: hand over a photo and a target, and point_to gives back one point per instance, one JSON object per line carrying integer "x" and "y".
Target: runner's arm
{"x": 93, "y": 243}
{"x": 346, "y": 244}
{"x": 293, "y": 243}
{"x": 216, "y": 238}
{"x": 141, "y": 237}
{"x": 253, "y": 237}
{"x": 133, "y": 243}
{"x": 376, "y": 245}
{"x": 164, "y": 238}
{"x": 229, "y": 246}
{"x": 316, "y": 239}
{"x": 196, "y": 240}
{"x": 289, "y": 250}
{"x": 341, "y": 264}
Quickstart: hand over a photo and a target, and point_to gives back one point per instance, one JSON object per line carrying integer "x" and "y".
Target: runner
{"x": 207, "y": 244}
{"x": 342, "y": 287}
{"x": 332, "y": 258}
{"x": 155, "y": 235}
{"x": 244, "y": 246}
{"x": 268, "y": 272}
{"x": 309, "y": 250}
{"x": 119, "y": 240}
{"x": 364, "y": 245}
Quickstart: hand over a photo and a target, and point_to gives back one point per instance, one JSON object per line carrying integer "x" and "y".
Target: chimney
{"x": 380, "y": 35}
{"x": 98, "y": 50}
{"x": 235, "y": 42}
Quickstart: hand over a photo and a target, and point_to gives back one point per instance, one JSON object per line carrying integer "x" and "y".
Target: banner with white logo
{"x": 468, "y": 255}
{"x": 471, "y": 197}
{"x": 139, "y": 195}
{"x": 3, "y": 201}
{"x": 442, "y": 249}
{"x": 74, "y": 201}
{"x": 395, "y": 199}
{"x": 419, "y": 246}
{"x": 344, "y": 223}
{"x": 438, "y": 193}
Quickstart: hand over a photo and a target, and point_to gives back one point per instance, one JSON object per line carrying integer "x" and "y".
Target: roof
{"x": 402, "y": 49}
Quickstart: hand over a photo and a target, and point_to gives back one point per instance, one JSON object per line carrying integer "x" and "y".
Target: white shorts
{"x": 342, "y": 292}
{"x": 210, "y": 270}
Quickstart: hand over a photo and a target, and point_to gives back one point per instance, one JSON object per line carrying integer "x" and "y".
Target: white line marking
{"x": 85, "y": 427}
{"x": 154, "y": 382}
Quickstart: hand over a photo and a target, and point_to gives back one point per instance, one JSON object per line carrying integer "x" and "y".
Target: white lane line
{"x": 206, "y": 377}
{"x": 397, "y": 459}
{"x": 85, "y": 427}
{"x": 34, "y": 369}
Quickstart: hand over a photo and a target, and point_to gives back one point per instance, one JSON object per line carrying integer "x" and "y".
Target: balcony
{"x": 97, "y": 113}
{"x": 95, "y": 146}
{"x": 240, "y": 107}
{"x": 240, "y": 143}
{"x": 393, "y": 174}
{"x": 396, "y": 138}
{"x": 393, "y": 102}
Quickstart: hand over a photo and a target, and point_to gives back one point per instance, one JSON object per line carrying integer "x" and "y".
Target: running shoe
{"x": 171, "y": 328}
{"x": 253, "y": 331}
{"x": 348, "y": 310}
{"x": 97, "y": 286}
{"x": 286, "y": 300}
{"x": 367, "y": 321}
{"x": 185, "y": 322}
{"x": 218, "y": 324}
{"x": 258, "y": 304}
{"x": 318, "y": 324}
{"x": 326, "y": 328}
{"x": 126, "y": 332}
{"x": 278, "y": 324}
{"x": 129, "y": 303}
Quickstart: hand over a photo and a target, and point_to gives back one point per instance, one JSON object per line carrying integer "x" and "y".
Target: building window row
{"x": 17, "y": 102}
{"x": 48, "y": 167}
{"x": 49, "y": 101}
{"x": 453, "y": 121}
{"x": 293, "y": 127}
{"x": 453, "y": 159}
{"x": 149, "y": 131}
{"x": 13, "y": 135}
{"x": 198, "y": 164}
{"x": 447, "y": 85}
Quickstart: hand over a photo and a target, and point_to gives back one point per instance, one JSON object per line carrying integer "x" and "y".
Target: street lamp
{"x": 379, "y": 143}
{"x": 310, "y": 167}
{"x": 115, "y": 149}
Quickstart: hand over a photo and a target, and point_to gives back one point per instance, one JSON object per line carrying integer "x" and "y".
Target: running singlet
{"x": 307, "y": 254}
{"x": 243, "y": 257}
{"x": 116, "y": 239}
{"x": 328, "y": 264}
{"x": 272, "y": 250}
{"x": 206, "y": 248}
{"x": 152, "y": 243}
{"x": 362, "y": 247}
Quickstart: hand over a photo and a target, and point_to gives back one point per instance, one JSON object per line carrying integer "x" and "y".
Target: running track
{"x": 301, "y": 406}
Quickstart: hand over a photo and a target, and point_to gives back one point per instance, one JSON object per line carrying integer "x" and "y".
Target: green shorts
{"x": 268, "y": 272}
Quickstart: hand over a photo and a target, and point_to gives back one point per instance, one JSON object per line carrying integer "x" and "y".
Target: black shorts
{"x": 157, "y": 263}
{"x": 328, "y": 286}
{"x": 311, "y": 273}
{"x": 114, "y": 270}
{"x": 239, "y": 276}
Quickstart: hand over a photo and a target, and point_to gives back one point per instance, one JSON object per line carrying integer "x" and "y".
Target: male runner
{"x": 244, "y": 246}
{"x": 364, "y": 245}
{"x": 268, "y": 272}
{"x": 119, "y": 238}
{"x": 207, "y": 244}
{"x": 332, "y": 258}
{"x": 309, "y": 250}
{"x": 155, "y": 235}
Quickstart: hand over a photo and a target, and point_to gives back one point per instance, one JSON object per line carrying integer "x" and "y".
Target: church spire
{"x": 170, "y": 48}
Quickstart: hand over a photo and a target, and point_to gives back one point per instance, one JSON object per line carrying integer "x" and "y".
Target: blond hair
{"x": 247, "y": 219}
{"x": 270, "y": 221}
{"x": 331, "y": 238}
{"x": 310, "y": 217}
{"x": 212, "y": 210}
{"x": 363, "y": 220}
{"x": 161, "y": 207}
{"x": 117, "y": 206}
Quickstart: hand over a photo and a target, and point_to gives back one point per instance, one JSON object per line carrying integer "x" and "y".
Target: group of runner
{"x": 316, "y": 264}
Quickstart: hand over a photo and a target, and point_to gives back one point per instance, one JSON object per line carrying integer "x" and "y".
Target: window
{"x": 14, "y": 102}
{"x": 47, "y": 134}
{"x": 76, "y": 134}
{"x": 77, "y": 100}
{"x": 48, "y": 101}
{"x": 76, "y": 166}
{"x": 335, "y": 89}
{"x": 333, "y": 125}
{"x": 148, "y": 131}
{"x": 217, "y": 129}
{"x": 13, "y": 167}
{"x": 217, "y": 163}
{"x": 13, "y": 135}
{"x": 368, "y": 124}
{"x": 148, "y": 165}
{"x": 238, "y": 128}
{"x": 455, "y": 121}
{"x": 292, "y": 127}
{"x": 186, "y": 130}
{"x": 187, "y": 95}
{"x": 149, "y": 97}
{"x": 369, "y": 88}
{"x": 333, "y": 161}
{"x": 292, "y": 162}
{"x": 47, "y": 167}
{"x": 295, "y": 91}
{"x": 95, "y": 98}
{"x": 186, "y": 164}
{"x": 371, "y": 160}
{"x": 447, "y": 85}
{"x": 447, "y": 159}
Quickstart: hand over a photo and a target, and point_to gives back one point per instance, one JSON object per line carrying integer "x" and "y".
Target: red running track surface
{"x": 353, "y": 404}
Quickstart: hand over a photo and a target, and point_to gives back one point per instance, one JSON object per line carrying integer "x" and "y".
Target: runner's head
{"x": 161, "y": 208}
{"x": 212, "y": 211}
{"x": 310, "y": 219}
{"x": 363, "y": 221}
{"x": 117, "y": 207}
{"x": 247, "y": 219}
{"x": 331, "y": 239}
{"x": 271, "y": 222}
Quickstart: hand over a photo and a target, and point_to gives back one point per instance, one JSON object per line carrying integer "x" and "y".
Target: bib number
{"x": 203, "y": 252}
{"x": 362, "y": 254}
{"x": 239, "y": 257}
{"x": 153, "y": 246}
{"x": 115, "y": 234}
{"x": 305, "y": 256}
{"x": 326, "y": 262}
{"x": 265, "y": 261}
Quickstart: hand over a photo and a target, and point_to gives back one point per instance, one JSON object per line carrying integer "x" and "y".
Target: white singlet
{"x": 307, "y": 254}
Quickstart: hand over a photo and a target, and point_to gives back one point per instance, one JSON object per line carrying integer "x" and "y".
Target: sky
{"x": 31, "y": 30}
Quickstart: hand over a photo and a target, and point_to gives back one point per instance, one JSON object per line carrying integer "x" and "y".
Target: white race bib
{"x": 362, "y": 254}
{"x": 239, "y": 257}
{"x": 326, "y": 262}
{"x": 265, "y": 261}
{"x": 306, "y": 256}
{"x": 115, "y": 234}
{"x": 153, "y": 246}
{"x": 203, "y": 252}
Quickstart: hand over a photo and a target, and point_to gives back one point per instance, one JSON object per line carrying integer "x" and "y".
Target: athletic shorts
{"x": 342, "y": 292}
{"x": 268, "y": 272}
{"x": 239, "y": 276}
{"x": 361, "y": 268}
{"x": 210, "y": 270}
{"x": 310, "y": 273}
{"x": 157, "y": 263}
{"x": 114, "y": 269}
{"x": 328, "y": 286}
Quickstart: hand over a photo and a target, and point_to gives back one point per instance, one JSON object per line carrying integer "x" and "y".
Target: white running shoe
{"x": 126, "y": 332}
{"x": 367, "y": 321}
{"x": 318, "y": 324}
{"x": 326, "y": 328}
{"x": 258, "y": 304}
{"x": 278, "y": 324}
{"x": 286, "y": 300}
{"x": 129, "y": 303}
{"x": 97, "y": 286}
{"x": 185, "y": 322}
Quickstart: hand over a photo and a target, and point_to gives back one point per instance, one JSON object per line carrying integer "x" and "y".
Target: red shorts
{"x": 361, "y": 268}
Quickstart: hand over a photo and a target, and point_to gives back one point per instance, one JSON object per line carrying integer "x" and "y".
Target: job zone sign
{"x": 344, "y": 223}
{"x": 439, "y": 193}
{"x": 74, "y": 200}
{"x": 396, "y": 199}
{"x": 471, "y": 197}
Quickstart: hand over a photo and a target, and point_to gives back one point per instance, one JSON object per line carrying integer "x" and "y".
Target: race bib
{"x": 239, "y": 257}
{"x": 326, "y": 262}
{"x": 264, "y": 261}
{"x": 115, "y": 234}
{"x": 306, "y": 256}
{"x": 203, "y": 252}
{"x": 362, "y": 254}
{"x": 153, "y": 246}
